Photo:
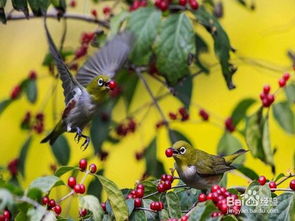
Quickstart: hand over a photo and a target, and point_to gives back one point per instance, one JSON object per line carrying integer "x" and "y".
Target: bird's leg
{"x": 86, "y": 142}
{"x": 78, "y": 134}
{"x": 78, "y": 137}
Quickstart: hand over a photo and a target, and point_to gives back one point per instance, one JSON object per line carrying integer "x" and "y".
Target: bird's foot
{"x": 86, "y": 143}
{"x": 78, "y": 137}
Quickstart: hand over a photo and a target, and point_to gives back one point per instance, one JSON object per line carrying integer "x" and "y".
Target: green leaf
{"x": 40, "y": 213}
{"x": 6, "y": 199}
{"x": 31, "y": 91}
{"x": 173, "y": 46}
{"x": 61, "y": 150}
{"x": 130, "y": 205}
{"x": 285, "y": 208}
{"x": 95, "y": 187}
{"x": 138, "y": 215}
{"x": 60, "y": 5}
{"x": 39, "y": 7}
{"x": 284, "y": 116}
{"x": 4, "y": 104}
{"x": 173, "y": 205}
{"x": 176, "y": 136}
{"x": 34, "y": 194}
{"x": 268, "y": 152}
{"x": 150, "y": 216}
{"x": 115, "y": 197}
{"x": 290, "y": 92}
{"x": 248, "y": 172}
{"x": 228, "y": 144}
{"x": 21, "y": 5}
{"x": 222, "y": 45}
{"x": 21, "y": 216}
{"x": 239, "y": 112}
{"x": 92, "y": 204}
{"x": 187, "y": 198}
{"x": 149, "y": 186}
{"x": 183, "y": 91}
{"x": 64, "y": 169}
{"x": 46, "y": 183}
{"x": 201, "y": 46}
{"x": 144, "y": 23}
{"x": 23, "y": 155}
{"x": 281, "y": 175}
{"x": 117, "y": 21}
{"x": 164, "y": 215}
{"x": 202, "y": 211}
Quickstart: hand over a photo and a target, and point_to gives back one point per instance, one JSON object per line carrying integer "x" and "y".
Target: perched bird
{"x": 85, "y": 93}
{"x": 198, "y": 169}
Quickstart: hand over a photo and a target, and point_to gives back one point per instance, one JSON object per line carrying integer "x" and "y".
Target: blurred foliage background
{"x": 261, "y": 38}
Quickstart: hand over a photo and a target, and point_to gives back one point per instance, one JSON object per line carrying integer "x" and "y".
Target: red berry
{"x": 161, "y": 205}
{"x": 104, "y": 206}
{"x": 77, "y": 188}
{"x": 210, "y": 196}
{"x": 2, "y": 218}
{"x": 223, "y": 208}
{"x": 32, "y": 75}
{"x": 272, "y": 185}
{"x": 261, "y": 180}
{"x": 204, "y": 114}
{"x": 137, "y": 202}
{"x": 140, "y": 186}
{"x": 172, "y": 116}
{"x": 266, "y": 89}
{"x": 92, "y": 168}
{"x": 82, "y": 51}
{"x": 45, "y": 200}
{"x": 161, "y": 187}
{"x": 169, "y": 152}
{"x": 286, "y": 76}
{"x": 282, "y": 82}
{"x": 73, "y": 3}
{"x": 82, "y": 188}
{"x": 169, "y": 178}
{"x": 131, "y": 126}
{"x": 167, "y": 185}
{"x": 51, "y": 203}
{"x": 6, "y": 214}
{"x": 83, "y": 164}
{"x": 222, "y": 190}
{"x": 182, "y": 2}
{"x": 292, "y": 184}
{"x": 194, "y": 4}
{"x": 214, "y": 188}
{"x": 184, "y": 218}
{"x": 139, "y": 193}
{"x": 262, "y": 96}
{"x": 16, "y": 91}
{"x": 202, "y": 197}
{"x": 106, "y": 10}
{"x": 164, "y": 177}
{"x": 152, "y": 206}
{"x": 157, "y": 206}
{"x": 229, "y": 125}
{"x": 112, "y": 84}
{"x": 72, "y": 182}
{"x": 271, "y": 98}
{"x": 163, "y": 5}
{"x": 57, "y": 209}
{"x": 94, "y": 13}
{"x": 215, "y": 197}
{"x": 83, "y": 212}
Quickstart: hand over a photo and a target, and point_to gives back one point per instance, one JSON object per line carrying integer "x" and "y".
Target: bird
{"x": 198, "y": 169}
{"x": 89, "y": 89}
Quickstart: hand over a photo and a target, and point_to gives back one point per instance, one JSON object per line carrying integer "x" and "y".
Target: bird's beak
{"x": 174, "y": 151}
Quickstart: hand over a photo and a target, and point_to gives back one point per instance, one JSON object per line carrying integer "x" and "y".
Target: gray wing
{"x": 107, "y": 60}
{"x": 69, "y": 83}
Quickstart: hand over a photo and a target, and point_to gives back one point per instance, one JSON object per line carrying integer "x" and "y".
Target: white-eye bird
{"x": 85, "y": 93}
{"x": 198, "y": 169}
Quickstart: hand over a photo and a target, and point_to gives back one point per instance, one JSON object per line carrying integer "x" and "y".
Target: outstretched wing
{"x": 69, "y": 83}
{"x": 107, "y": 60}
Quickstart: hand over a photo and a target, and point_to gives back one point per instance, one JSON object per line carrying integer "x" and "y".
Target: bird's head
{"x": 183, "y": 152}
{"x": 100, "y": 85}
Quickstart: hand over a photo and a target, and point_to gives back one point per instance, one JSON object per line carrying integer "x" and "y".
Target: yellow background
{"x": 263, "y": 36}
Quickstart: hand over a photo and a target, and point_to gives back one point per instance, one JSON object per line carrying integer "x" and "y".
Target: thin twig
{"x": 285, "y": 178}
{"x": 80, "y": 17}
{"x": 145, "y": 209}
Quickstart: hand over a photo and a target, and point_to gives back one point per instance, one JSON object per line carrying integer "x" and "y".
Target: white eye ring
{"x": 182, "y": 150}
{"x": 100, "y": 82}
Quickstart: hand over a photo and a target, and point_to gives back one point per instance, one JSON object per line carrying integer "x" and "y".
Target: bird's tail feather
{"x": 54, "y": 134}
{"x": 230, "y": 158}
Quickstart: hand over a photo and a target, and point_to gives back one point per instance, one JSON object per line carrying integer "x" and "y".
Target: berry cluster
{"x": 204, "y": 114}
{"x": 107, "y": 11}
{"x": 229, "y": 125}
{"x": 13, "y": 167}
{"x": 157, "y": 205}
{"x": 160, "y": 124}
{"x": 17, "y": 90}
{"x": 124, "y": 129}
{"x": 183, "y": 218}
{"x": 262, "y": 180}
{"x": 266, "y": 98}
{"x": 165, "y": 183}
{"x": 138, "y": 4}
{"x": 163, "y": 5}
{"x": 182, "y": 114}
{"x": 51, "y": 205}
{"x": 86, "y": 38}
{"x": 137, "y": 195}
{"x": 219, "y": 196}
{"x": 5, "y": 216}
{"x": 284, "y": 79}
{"x": 37, "y": 124}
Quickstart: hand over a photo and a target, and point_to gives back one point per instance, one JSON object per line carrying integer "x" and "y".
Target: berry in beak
{"x": 112, "y": 84}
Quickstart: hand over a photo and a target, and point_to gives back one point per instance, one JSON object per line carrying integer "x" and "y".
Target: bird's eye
{"x": 182, "y": 150}
{"x": 100, "y": 82}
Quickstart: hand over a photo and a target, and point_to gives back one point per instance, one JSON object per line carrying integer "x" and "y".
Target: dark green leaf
{"x": 31, "y": 91}
{"x": 117, "y": 21}
{"x": 202, "y": 211}
{"x": 173, "y": 205}
{"x": 281, "y": 175}
{"x": 239, "y": 112}
{"x": 268, "y": 152}
{"x": 285, "y": 208}
{"x": 176, "y": 136}
{"x": 95, "y": 187}
{"x": 284, "y": 116}
{"x": 290, "y": 92}
{"x": 138, "y": 215}
{"x": 39, "y": 7}
{"x": 2, "y": 12}
{"x": 62, "y": 170}
{"x": 23, "y": 155}
{"x": 230, "y": 218}
{"x": 46, "y": 183}
{"x": 183, "y": 91}
{"x": 4, "y": 104}
{"x": 228, "y": 144}
{"x": 187, "y": 198}
{"x": 21, "y": 216}
{"x": 60, "y": 5}
{"x": 164, "y": 215}
{"x": 149, "y": 186}
{"x": 115, "y": 197}
{"x": 21, "y": 5}
{"x": 130, "y": 205}
{"x": 35, "y": 194}
{"x": 201, "y": 46}
{"x": 61, "y": 150}
{"x": 144, "y": 23}
{"x": 248, "y": 172}
{"x": 173, "y": 46}
{"x": 92, "y": 204}
{"x": 222, "y": 45}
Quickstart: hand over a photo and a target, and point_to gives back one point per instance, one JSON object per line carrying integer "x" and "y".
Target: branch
{"x": 80, "y": 17}
{"x": 285, "y": 178}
